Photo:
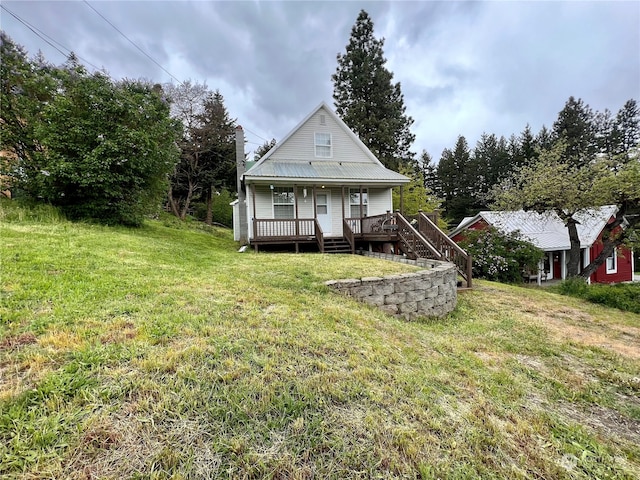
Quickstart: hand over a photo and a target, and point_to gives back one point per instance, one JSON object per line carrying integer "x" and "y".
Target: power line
{"x": 131, "y": 42}
{"x": 254, "y": 133}
{"x": 41, "y": 35}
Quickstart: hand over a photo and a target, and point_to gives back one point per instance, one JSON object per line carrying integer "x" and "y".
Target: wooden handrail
{"x": 348, "y": 233}
{"x": 450, "y": 250}
{"x": 319, "y": 236}
{"x": 412, "y": 242}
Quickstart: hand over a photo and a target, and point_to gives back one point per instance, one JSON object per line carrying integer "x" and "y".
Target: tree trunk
{"x": 573, "y": 265}
{"x": 173, "y": 204}
{"x": 187, "y": 201}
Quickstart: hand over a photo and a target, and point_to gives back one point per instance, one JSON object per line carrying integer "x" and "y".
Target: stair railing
{"x": 412, "y": 242}
{"x": 450, "y": 250}
{"x": 347, "y": 232}
{"x": 319, "y": 236}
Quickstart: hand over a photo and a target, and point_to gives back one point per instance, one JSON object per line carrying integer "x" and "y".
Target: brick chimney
{"x": 242, "y": 197}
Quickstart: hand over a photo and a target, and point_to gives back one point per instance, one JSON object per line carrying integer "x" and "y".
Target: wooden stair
{"x": 336, "y": 245}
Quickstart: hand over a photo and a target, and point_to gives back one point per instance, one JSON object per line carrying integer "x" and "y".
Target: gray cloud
{"x": 465, "y": 67}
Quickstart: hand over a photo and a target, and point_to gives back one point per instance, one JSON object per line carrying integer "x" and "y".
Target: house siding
{"x": 624, "y": 272}
{"x": 301, "y": 145}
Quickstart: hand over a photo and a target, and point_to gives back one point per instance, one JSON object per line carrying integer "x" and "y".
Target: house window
{"x": 323, "y": 145}
{"x": 612, "y": 262}
{"x": 283, "y": 202}
{"x": 354, "y": 202}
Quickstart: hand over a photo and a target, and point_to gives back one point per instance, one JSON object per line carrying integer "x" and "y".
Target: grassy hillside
{"x": 163, "y": 353}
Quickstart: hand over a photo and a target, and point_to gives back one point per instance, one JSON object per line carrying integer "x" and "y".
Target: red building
{"x": 548, "y": 232}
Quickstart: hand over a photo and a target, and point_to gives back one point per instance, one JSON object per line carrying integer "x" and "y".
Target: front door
{"x": 323, "y": 211}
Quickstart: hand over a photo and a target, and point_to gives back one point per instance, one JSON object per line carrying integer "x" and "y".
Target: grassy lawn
{"x": 162, "y": 353}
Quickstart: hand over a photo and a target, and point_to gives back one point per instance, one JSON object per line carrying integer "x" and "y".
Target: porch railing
{"x": 449, "y": 249}
{"x": 274, "y": 229}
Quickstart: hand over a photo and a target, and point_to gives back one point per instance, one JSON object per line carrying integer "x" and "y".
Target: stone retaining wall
{"x": 427, "y": 293}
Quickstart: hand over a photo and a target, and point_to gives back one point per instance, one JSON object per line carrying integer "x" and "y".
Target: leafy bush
{"x": 96, "y": 148}
{"x": 623, "y": 296}
{"x": 573, "y": 287}
{"x": 222, "y": 211}
{"x": 501, "y": 257}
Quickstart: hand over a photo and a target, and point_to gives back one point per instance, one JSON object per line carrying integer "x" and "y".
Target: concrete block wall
{"x": 428, "y": 293}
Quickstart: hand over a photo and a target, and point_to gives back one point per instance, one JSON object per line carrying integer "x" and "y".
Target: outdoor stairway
{"x": 336, "y": 245}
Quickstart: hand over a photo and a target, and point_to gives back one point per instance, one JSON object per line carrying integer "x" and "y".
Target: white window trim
{"x": 365, "y": 205}
{"x": 274, "y": 204}
{"x": 316, "y": 145}
{"x": 613, "y": 270}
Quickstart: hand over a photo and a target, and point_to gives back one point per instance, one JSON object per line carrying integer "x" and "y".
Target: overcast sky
{"x": 465, "y": 68}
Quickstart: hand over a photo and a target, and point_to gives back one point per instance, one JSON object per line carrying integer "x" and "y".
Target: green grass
{"x": 624, "y": 296}
{"x": 161, "y": 352}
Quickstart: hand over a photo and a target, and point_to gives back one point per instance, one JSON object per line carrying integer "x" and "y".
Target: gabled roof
{"x": 367, "y": 169}
{"x": 546, "y": 231}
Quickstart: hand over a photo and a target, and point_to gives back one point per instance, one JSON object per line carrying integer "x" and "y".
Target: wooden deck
{"x": 417, "y": 237}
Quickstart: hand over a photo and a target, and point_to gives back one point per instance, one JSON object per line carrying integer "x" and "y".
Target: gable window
{"x": 354, "y": 202}
{"x": 323, "y": 145}
{"x": 283, "y": 202}
{"x": 612, "y": 262}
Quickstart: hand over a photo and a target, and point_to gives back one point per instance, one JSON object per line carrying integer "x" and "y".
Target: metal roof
{"x": 325, "y": 170}
{"x": 546, "y": 231}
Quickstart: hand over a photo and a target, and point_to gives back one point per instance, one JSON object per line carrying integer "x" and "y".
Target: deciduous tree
{"x": 554, "y": 184}
{"x": 97, "y": 148}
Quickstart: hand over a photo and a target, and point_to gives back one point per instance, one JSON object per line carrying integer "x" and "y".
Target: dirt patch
{"x": 27, "y": 338}
{"x": 574, "y": 325}
{"x": 604, "y": 420}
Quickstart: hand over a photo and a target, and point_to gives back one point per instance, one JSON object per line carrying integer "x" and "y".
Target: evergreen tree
{"x": 528, "y": 150}
{"x": 544, "y": 139}
{"x": 605, "y": 132}
{"x": 627, "y": 128}
{"x": 430, "y": 174}
{"x": 367, "y": 100}
{"x": 575, "y": 125}
{"x": 458, "y": 177}
{"x": 262, "y": 150}
{"x": 217, "y": 133}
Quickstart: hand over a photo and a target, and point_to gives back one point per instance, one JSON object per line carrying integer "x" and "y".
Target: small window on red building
{"x": 612, "y": 262}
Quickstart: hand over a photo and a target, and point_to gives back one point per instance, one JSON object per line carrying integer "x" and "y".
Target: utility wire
{"x": 41, "y": 34}
{"x": 254, "y": 133}
{"x": 131, "y": 42}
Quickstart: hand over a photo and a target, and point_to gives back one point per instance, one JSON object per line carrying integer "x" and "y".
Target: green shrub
{"x": 623, "y": 296}
{"x": 222, "y": 211}
{"x": 574, "y": 287}
{"x": 501, "y": 257}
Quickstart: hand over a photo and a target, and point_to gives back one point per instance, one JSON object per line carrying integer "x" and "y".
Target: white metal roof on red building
{"x": 546, "y": 231}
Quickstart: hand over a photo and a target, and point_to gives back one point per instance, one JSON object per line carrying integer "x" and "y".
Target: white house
{"x": 313, "y": 187}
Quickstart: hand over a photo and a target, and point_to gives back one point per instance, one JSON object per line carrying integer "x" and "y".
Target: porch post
{"x": 297, "y": 219}
{"x": 254, "y": 221}
{"x": 402, "y": 200}
{"x": 315, "y": 203}
{"x": 563, "y": 265}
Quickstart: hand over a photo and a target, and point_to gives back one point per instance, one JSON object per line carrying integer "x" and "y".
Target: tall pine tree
{"x": 367, "y": 100}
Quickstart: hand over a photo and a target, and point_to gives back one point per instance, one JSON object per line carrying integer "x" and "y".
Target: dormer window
{"x": 323, "y": 145}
